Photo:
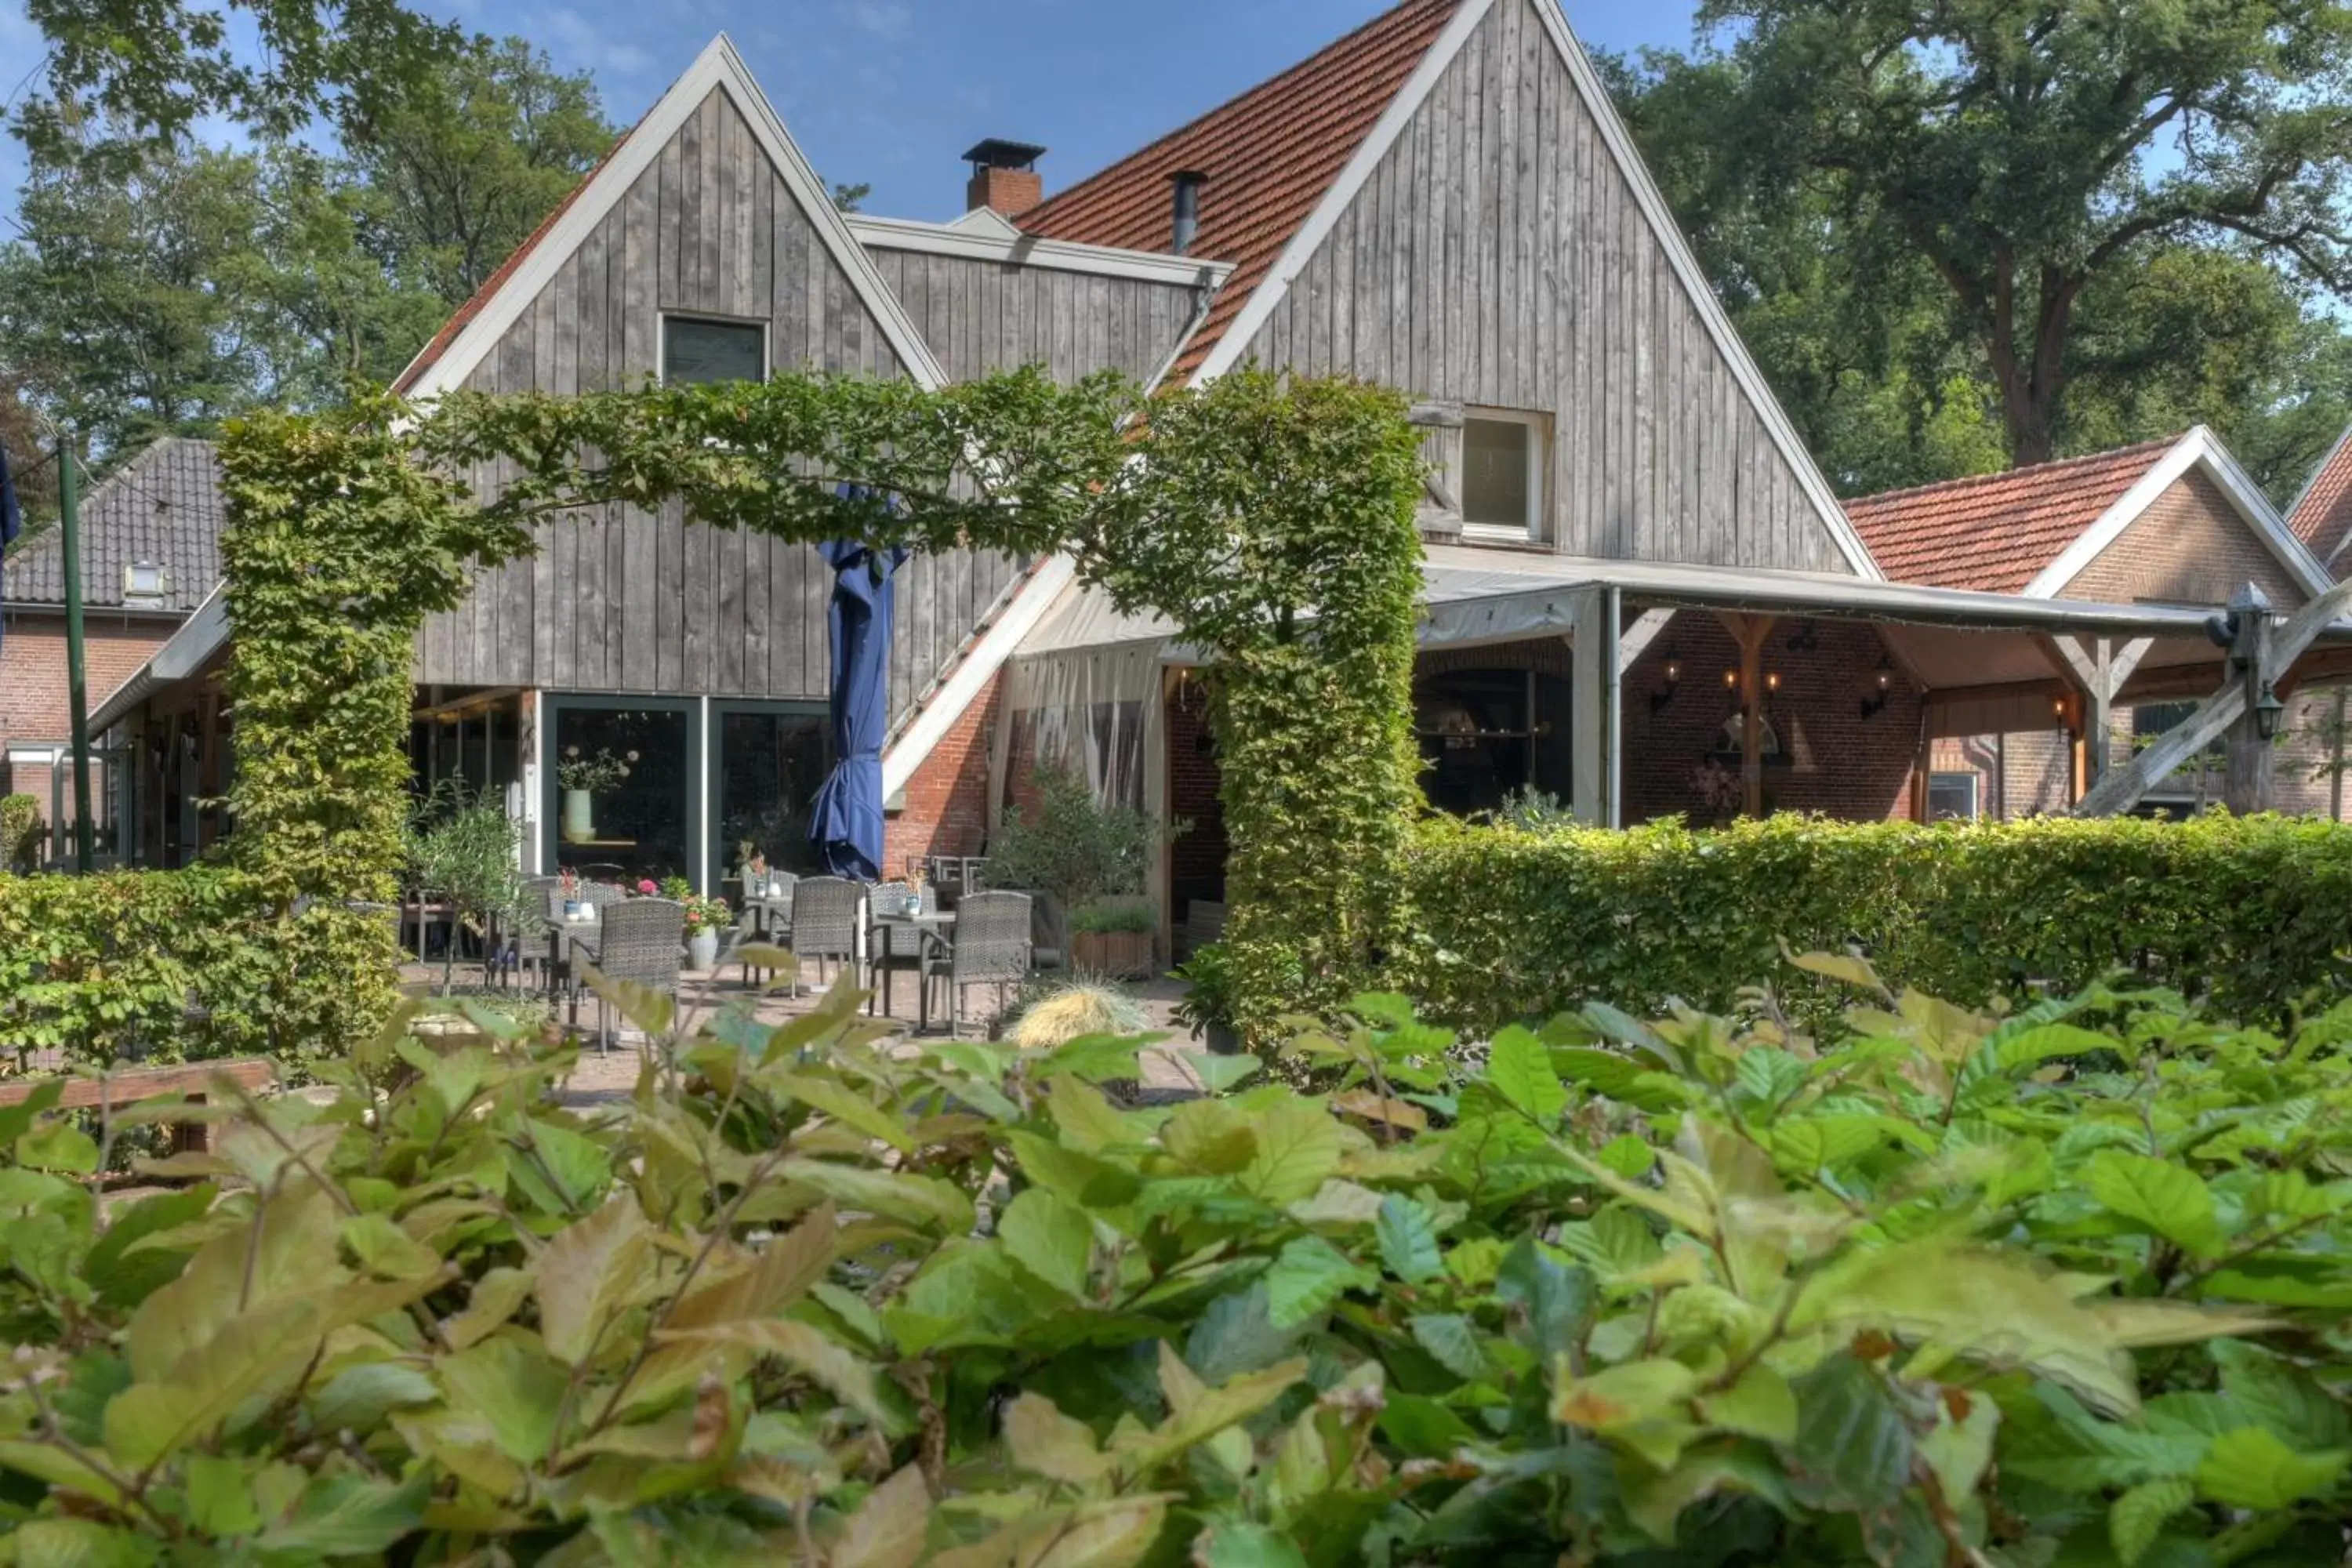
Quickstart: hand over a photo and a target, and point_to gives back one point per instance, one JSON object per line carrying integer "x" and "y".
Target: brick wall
{"x": 33, "y": 697}
{"x": 2190, "y": 547}
{"x": 946, "y": 808}
{"x": 1839, "y": 762}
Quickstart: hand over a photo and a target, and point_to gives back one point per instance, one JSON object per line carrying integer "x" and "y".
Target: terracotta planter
{"x": 1120, "y": 952}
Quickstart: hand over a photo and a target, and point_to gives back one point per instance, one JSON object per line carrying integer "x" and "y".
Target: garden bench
{"x": 191, "y": 1081}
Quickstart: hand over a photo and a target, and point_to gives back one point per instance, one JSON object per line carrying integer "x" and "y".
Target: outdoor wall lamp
{"x": 1674, "y": 681}
{"x": 1731, "y": 680}
{"x": 1771, "y": 681}
{"x": 2267, "y": 711}
{"x": 1882, "y": 690}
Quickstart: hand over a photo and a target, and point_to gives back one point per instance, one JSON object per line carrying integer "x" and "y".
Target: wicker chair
{"x": 893, "y": 949}
{"x": 771, "y": 920}
{"x": 991, "y": 947}
{"x": 827, "y": 913}
{"x": 639, "y": 941}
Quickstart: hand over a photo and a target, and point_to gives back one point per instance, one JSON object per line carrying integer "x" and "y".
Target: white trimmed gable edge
{"x": 2201, "y": 451}
{"x": 1360, "y": 169}
{"x": 720, "y": 68}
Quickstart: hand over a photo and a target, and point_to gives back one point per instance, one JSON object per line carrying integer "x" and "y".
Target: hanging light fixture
{"x": 1881, "y": 689}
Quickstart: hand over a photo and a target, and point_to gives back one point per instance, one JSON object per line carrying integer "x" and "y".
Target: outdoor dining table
{"x": 563, "y": 934}
{"x": 931, "y": 926}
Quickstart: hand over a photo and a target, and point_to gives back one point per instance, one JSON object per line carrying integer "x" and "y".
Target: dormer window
{"x": 697, "y": 351}
{"x": 145, "y": 582}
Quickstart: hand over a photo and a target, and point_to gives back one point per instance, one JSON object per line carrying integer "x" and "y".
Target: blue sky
{"x": 889, "y": 92}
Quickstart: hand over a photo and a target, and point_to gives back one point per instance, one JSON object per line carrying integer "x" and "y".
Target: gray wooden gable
{"x": 981, "y": 316}
{"x": 630, "y": 601}
{"x": 1499, "y": 254}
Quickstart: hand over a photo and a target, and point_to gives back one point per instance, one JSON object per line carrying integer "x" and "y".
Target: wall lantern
{"x": 1731, "y": 680}
{"x": 1772, "y": 680}
{"x": 2058, "y": 714}
{"x": 2267, "y": 711}
{"x": 1674, "y": 681}
{"x": 1881, "y": 690}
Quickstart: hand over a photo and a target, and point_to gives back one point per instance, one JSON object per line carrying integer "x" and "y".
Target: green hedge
{"x": 174, "y": 965}
{"x": 2249, "y": 913}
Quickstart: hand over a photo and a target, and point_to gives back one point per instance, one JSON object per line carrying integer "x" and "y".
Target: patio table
{"x": 565, "y": 939}
{"x": 930, "y": 928}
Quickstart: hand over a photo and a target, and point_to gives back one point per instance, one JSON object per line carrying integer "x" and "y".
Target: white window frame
{"x": 1538, "y": 428}
{"x": 1949, "y": 776}
{"x": 717, "y": 319}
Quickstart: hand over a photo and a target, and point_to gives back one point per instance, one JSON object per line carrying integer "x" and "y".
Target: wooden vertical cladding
{"x": 981, "y": 316}
{"x": 1498, "y": 256}
{"x": 621, "y": 599}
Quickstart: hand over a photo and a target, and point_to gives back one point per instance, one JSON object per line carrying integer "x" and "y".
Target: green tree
{"x": 2030, "y": 151}
{"x": 154, "y": 68}
{"x": 459, "y": 173}
{"x": 143, "y": 306}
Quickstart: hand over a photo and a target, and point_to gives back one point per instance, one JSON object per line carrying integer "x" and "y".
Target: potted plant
{"x": 582, "y": 779}
{"x": 1207, "y": 1007}
{"x": 464, "y": 851}
{"x": 569, "y": 881}
{"x": 1071, "y": 849}
{"x": 1112, "y": 937}
{"x": 706, "y": 920}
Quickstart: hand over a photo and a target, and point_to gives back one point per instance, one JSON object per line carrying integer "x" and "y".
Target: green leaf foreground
{"x": 1932, "y": 1287}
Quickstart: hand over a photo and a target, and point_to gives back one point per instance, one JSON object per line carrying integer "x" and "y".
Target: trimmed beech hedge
{"x": 176, "y": 965}
{"x": 2249, "y": 914}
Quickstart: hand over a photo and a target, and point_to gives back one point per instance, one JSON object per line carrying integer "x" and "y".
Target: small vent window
{"x": 1502, "y": 473}
{"x": 694, "y": 353}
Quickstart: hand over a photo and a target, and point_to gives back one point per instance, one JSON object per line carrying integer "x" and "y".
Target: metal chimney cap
{"x": 996, "y": 152}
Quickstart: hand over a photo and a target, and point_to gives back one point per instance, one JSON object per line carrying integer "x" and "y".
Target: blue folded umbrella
{"x": 846, "y": 821}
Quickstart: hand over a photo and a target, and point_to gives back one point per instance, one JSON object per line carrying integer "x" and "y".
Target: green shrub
{"x": 2064, "y": 1287}
{"x": 1125, "y": 917}
{"x": 20, "y": 822}
{"x": 2246, "y": 913}
{"x": 1070, "y": 845}
{"x": 179, "y": 965}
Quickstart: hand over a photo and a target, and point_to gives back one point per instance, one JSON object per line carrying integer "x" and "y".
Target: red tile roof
{"x": 1270, "y": 155}
{"x": 497, "y": 280}
{"x": 2323, "y": 514}
{"x": 1996, "y": 533}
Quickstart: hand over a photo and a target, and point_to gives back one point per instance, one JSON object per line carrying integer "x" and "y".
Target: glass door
{"x": 771, "y": 760}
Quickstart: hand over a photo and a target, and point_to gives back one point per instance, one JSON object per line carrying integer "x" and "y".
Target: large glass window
{"x": 696, "y": 352}
{"x": 769, "y": 764}
{"x": 621, "y": 789}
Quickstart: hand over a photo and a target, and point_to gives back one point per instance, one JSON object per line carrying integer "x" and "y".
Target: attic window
{"x": 1502, "y": 473}
{"x": 696, "y": 352}
{"x": 143, "y": 583}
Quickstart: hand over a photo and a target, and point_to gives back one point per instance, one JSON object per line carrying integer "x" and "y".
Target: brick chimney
{"x": 1004, "y": 176}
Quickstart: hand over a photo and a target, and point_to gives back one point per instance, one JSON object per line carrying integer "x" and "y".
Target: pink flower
{"x": 647, "y": 887}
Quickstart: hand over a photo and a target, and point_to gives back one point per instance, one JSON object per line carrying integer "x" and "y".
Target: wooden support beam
{"x": 1923, "y": 765}
{"x": 2122, "y": 788}
{"x": 1635, "y": 640}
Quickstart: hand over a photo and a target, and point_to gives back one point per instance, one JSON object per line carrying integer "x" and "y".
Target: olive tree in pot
{"x": 467, "y": 852}
{"x": 1076, "y": 853}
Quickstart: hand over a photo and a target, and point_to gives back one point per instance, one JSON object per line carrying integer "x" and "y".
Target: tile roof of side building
{"x": 1269, "y": 156}
{"x": 1997, "y": 532}
{"x": 162, "y": 507}
{"x": 2322, "y": 515}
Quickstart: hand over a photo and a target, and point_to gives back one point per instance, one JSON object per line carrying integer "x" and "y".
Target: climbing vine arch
{"x": 1269, "y": 518}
